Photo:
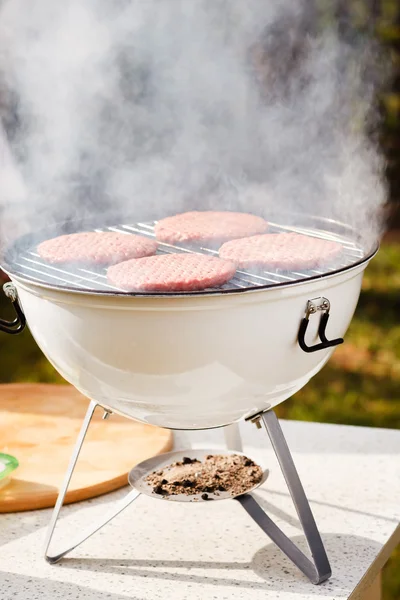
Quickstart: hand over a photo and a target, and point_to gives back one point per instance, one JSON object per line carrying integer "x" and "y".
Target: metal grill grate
{"x": 29, "y": 265}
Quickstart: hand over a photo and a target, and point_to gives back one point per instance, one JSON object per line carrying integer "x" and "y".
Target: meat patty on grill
{"x": 208, "y": 227}
{"x": 171, "y": 273}
{"x": 95, "y": 248}
{"x": 286, "y": 251}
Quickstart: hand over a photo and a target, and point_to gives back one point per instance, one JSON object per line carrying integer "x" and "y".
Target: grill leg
{"x": 233, "y": 439}
{"x": 318, "y": 569}
{"x": 113, "y": 512}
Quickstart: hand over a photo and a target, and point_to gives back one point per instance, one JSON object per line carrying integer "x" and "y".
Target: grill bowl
{"x": 186, "y": 360}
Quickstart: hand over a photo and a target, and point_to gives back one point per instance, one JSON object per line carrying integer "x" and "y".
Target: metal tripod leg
{"x": 233, "y": 439}
{"x": 113, "y": 512}
{"x": 319, "y": 569}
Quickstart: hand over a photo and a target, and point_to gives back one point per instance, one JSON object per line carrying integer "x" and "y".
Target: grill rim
{"x": 217, "y": 292}
{"x": 7, "y": 266}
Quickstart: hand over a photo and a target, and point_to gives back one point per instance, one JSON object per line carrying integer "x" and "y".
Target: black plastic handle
{"x": 325, "y": 343}
{"x": 19, "y": 323}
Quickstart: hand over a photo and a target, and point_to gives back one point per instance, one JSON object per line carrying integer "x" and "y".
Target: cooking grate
{"x": 29, "y": 265}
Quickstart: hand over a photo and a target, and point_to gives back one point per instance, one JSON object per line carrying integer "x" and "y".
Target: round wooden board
{"x": 39, "y": 425}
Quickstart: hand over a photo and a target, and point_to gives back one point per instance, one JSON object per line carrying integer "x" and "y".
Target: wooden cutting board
{"x": 39, "y": 425}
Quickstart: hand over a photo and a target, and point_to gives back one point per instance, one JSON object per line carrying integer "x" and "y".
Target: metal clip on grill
{"x": 313, "y": 306}
{"x": 18, "y": 324}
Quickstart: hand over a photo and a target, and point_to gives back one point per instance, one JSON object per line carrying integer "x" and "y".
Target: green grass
{"x": 359, "y": 386}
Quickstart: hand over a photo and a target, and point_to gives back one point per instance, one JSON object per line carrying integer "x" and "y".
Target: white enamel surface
{"x": 188, "y": 362}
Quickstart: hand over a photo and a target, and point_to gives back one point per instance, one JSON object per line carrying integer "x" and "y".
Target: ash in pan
{"x": 235, "y": 474}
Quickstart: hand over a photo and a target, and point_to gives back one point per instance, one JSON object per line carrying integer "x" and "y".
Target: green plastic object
{"x": 8, "y": 464}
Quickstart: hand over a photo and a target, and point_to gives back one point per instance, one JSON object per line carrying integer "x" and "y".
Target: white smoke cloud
{"x": 142, "y": 108}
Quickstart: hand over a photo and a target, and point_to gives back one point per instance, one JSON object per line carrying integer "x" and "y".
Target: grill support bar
{"x": 115, "y": 510}
{"x": 317, "y": 570}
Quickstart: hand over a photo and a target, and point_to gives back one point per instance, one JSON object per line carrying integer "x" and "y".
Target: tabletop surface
{"x": 162, "y": 550}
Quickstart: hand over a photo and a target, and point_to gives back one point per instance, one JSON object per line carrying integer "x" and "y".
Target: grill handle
{"x": 18, "y": 325}
{"x": 313, "y": 306}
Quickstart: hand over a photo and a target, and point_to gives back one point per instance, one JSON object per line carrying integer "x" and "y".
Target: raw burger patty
{"x": 208, "y": 227}
{"x": 286, "y": 251}
{"x": 171, "y": 273}
{"x": 96, "y": 248}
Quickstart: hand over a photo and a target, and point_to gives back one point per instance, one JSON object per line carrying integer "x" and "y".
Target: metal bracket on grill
{"x": 313, "y": 306}
{"x": 18, "y": 325}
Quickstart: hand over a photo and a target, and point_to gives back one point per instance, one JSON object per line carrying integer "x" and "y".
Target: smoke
{"x": 133, "y": 110}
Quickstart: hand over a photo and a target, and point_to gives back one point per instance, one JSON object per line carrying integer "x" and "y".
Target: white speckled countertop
{"x": 161, "y": 550}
